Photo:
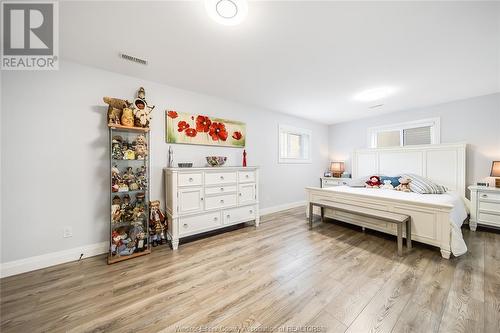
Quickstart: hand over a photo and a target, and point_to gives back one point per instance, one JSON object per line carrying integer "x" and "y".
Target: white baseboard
{"x": 51, "y": 259}
{"x": 55, "y": 258}
{"x": 279, "y": 208}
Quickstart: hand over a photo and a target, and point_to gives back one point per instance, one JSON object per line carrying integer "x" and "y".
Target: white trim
{"x": 50, "y": 259}
{"x": 301, "y": 132}
{"x": 434, "y": 123}
{"x": 279, "y": 208}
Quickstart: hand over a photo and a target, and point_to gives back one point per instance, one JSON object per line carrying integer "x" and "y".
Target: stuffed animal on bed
{"x": 373, "y": 182}
{"x": 387, "y": 185}
{"x": 404, "y": 185}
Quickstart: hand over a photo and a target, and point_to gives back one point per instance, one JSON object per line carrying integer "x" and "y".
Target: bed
{"x": 436, "y": 218}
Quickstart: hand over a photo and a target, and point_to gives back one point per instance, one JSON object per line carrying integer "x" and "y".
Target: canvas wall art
{"x": 197, "y": 129}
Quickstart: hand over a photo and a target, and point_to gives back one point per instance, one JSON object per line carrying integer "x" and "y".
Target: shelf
{"x": 112, "y": 260}
{"x": 131, "y": 192}
{"x": 143, "y": 160}
{"x": 127, "y": 128}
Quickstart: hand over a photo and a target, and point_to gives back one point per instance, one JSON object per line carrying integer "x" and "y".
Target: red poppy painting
{"x": 200, "y": 129}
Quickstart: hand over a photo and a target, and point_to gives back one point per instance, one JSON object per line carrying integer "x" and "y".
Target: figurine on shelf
{"x": 122, "y": 186}
{"x": 141, "y": 178}
{"x": 142, "y": 111}
{"x": 127, "y": 210}
{"x": 141, "y": 148}
{"x": 156, "y": 223}
{"x": 116, "y": 213}
{"x": 115, "y": 179}
{"x": 135, "y": 229}
{"x": 170, "y": 157}
{"x": 115, "y": 108}
{"x": 141, "y": 243}
{"x": 139, "y": 200}
{"x": 128, "y": 246}
{"x": 128, "y": 152}
{"x": 116, "y": 150}
{"x": 128, "y": 117}
{"x": 244, "y": 158}
{"x": 116, "y": 242}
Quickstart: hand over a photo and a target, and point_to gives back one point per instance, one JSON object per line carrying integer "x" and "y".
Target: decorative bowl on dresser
{"x": 485, "y": 206}
{"x": 204, "y": 199}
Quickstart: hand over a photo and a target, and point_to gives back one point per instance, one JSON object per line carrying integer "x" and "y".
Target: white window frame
{"x": 434, "y": 123}
{"x": 298, "y": 131}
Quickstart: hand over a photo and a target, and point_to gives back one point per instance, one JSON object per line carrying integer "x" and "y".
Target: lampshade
{"x": 337, "y": 167}
{"x": 495, "y": 169}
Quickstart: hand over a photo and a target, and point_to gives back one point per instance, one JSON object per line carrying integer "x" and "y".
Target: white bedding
{"x": 450, "y": 199}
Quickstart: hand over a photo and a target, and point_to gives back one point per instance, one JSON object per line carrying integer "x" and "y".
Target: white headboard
{"x": 444, "y": 164}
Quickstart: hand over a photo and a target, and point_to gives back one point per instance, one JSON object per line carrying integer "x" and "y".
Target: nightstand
{"x": 485, "y": 206}
{"x": 332, "y": 181}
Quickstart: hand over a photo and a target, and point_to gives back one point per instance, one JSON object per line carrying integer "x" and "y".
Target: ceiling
{"x": 303, "y": 58}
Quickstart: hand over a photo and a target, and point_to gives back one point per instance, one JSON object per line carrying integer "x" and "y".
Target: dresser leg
{"x": 257, "y": 221}
{"x": 472, "y": 225}
{"x": 175, "y": 243}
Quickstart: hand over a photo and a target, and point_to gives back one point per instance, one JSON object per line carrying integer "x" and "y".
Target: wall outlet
{"x": 67, "y": 232}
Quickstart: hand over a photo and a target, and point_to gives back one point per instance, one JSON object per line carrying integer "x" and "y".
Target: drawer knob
{"x": 191, "y": 179}
{"x": 251, "y": 211}
{"x": 484, "y": 195}
{"x": 215, "y": 218}
{"x": 222, "y": 177}
{"x": 201, "y": 198}
{"x": 185, "y": 225}
{"x": 241, "y": 194}
{"x": 228, "y": 216}
{"x": 221, "y": 201}
{"x": 222, "y": 189}
{"x": 247, "y": 176}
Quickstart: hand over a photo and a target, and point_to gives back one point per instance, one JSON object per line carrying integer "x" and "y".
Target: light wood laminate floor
{"x": 334, "y": 278}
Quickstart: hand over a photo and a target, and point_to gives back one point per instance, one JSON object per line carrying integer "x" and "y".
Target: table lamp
{"x": 495, "y": 172}
{"x": 337, "y": 168}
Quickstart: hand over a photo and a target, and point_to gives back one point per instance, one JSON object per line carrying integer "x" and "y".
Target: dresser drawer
{"x": 491, "y": 219}
{"x": 199, "y": 223}
{"x": 220, "y": 201}
{"x": 220, "y": 190}
{"x": 489, "y": 197}
{"x": 489, "y": 206}
{"x": 246, "y": 176}
{"x": 240, "y": 214}
{"x": 190, "y": 179}
{"x": 216, "y": 178}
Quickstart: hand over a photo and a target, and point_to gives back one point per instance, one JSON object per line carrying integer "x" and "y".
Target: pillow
{"x": 424, "y": 185}
{"x": 394, "y": 180}
{"x": 358, "y": 182}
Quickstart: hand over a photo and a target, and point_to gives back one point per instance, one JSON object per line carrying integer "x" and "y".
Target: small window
{"x": 421, "y": 132}
{"x": 294, "y": 145}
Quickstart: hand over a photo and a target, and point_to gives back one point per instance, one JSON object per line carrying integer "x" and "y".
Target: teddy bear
{"x": 373, "y": 182}
{"x": 141, "y": 149}
{"x": 404, "y": 185}
{"x": 387, "y": 185}
{"x": 115, "y": 108}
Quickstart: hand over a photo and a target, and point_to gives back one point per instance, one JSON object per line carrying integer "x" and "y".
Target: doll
{"x": 116, "y": 209}
{"x": 373, "y": 182}
{"x": 127, "y": 210}
{"x": 141, "y": 147}
{"x": 115, "y": 178}
{"x": 140, "y": 177}
{"x": 387, "y": 185}
{"x": 116, "y": 242}
{"x": 116, "y": 150}
{"x": 404, "y": 185}
{"x": 127, "y": 117}
{"x": 141, "y": 243}
{"x": 156, "y": 223}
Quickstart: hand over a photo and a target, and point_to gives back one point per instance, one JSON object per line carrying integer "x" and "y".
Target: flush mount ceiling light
{"x": 227, "y": 12}
{"x": 374, "y": 94}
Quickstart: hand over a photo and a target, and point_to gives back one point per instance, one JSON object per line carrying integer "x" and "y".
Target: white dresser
{"x": 204, "y": 199}
{"x": 485, "y": 206}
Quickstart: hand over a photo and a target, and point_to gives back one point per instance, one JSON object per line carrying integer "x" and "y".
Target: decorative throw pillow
{"x": 424, "y": 185}
{"x": 394, "y": 180}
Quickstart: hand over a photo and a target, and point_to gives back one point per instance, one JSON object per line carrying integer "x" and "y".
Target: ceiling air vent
{"x": 134, "y": 59}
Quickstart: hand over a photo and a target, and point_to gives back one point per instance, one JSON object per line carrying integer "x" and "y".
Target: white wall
{"x": 475, "y": 121}
{"x": 55, "y": 160}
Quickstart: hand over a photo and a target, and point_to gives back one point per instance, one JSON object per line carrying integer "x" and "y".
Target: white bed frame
{"x": 444, "y": 164}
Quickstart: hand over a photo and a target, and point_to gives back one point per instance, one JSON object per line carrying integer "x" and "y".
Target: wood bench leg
{"x": 408, "y": 233}
{"x": 310, "y": 215}
{"x": 400, "y": 239}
